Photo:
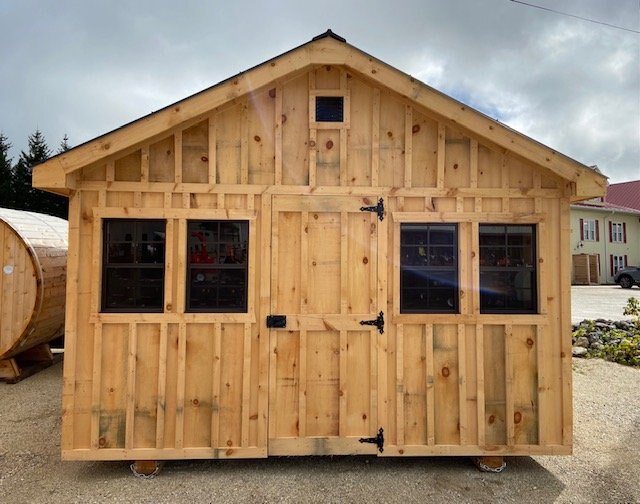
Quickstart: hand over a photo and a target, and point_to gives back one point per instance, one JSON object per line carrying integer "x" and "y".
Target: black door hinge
{"x": 379, "y": 209}
{"x": 378, "y": 322}
{"x": 277, "y": 321}
{"x": 378, "y": 440}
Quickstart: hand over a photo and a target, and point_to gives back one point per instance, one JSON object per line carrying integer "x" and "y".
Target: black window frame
{"x": 504, "y": 266}
{"x": 136, "y": 242}
{"x": 428, "y": 270}
{"x": 219, "y": 266}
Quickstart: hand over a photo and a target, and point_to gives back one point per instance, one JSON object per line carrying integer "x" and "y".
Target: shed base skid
{"x": 29, "y": 362}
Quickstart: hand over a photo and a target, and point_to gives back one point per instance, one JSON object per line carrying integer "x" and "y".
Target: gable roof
{"x": 626, "y": 194}
{"x": 325, "y": 49}
{"x": 604, "y": 206}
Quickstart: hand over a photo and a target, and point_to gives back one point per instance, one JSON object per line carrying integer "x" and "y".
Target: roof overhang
{"x": 328, "y": 49}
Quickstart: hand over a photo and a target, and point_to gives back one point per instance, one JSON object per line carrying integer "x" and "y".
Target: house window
{"x": 617, "y": 232}
{"x": 329, "y": 108}
{"x": 590, "y": 230}
{"x": 217, "y": 266}
{"x": 617, "y": 263}
{"x": 133, "y": 265}
{"x": 507, "y": 269}
{"x": 428, "y": 268}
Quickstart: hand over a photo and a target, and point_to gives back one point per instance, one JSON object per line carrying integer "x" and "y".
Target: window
{"x": 507, "y": 269}
{"x": 617, "y": 263}
{"x": 428, "y": 268}
{"x": 590, "y": 230}
{"x": 217, "y": 266}
{"x": 617, "y": 232}
{"x": 133, "y": 265}
{"x": 329, "y": 108}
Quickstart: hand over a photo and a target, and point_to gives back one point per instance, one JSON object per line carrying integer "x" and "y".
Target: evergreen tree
{"x": 64, "y": 145}
{"x": 6, "y": 174}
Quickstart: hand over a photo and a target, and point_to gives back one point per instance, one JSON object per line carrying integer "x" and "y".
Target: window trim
{"x": 589, "y": 234}
{"x": 616, "y": 232}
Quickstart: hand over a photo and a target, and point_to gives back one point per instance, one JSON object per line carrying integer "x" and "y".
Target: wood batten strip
{"x": 162, "y": 386}
{"x": 430, "y": 383}
{"x": 480, "y": 384}
{"x": 516, "y": 218}
{"x": 375, "y": 138}
{"x": 95, "y": 386}
{"x": 270, "y": 302}
{"x": 395, "y": 266}
{"x": 382, "y": 240}
{"x": 264, "y": 305}
{"x": 169, "y": 304}
{"x": 440, "y": 156}
{"x": 137, "y": 199}
{"x": 343, "y": 385}
{"x": 313, "y": 138}
{"x": 408, "y": 144}
{"x": 344, "y": 263}
{"x": 244, "y": 145}
{"x": 504, "y": 178}
{"x": 278, "y": 136}
{"x": 508, "y": 381}
{"x": 215, "y": 384}
{"x": 302, "y": 386}
{"x": 542, "y": 248}
{"x": 400, "y": 385}
{"x": 131, "y": 384}
{"x": 180, "y": 393}
{"x": 462, "y": 385}
{"x": 212, "y": 175}
{"x": 181, "y": 294}
{"x": 246, "y": 386}
{"x": 475, "y": 268}
{"x": 466, "y": 286}
{"x": 543, "y": 384}
{"x": 96, "y": 263}
{"x": 473, "y": 163}
{"x": 177, "y": 148}
{"x": 111, "y": 172}
{"x": 144, "y": 164}
{"x": 304, "y": 261}
{"x": 344, "y": 134}
{"x": 252, "y": 268}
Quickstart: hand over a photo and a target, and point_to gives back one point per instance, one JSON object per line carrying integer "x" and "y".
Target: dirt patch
{"x": 605, "y": 466}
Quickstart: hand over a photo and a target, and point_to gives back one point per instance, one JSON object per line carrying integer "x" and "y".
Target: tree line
{"x": 15, "y": 179}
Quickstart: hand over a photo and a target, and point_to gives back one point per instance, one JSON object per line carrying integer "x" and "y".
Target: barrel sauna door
{"x": 323, "y": 362}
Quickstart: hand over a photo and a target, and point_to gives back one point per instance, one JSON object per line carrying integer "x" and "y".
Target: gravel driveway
{"x": 605, "y": 466}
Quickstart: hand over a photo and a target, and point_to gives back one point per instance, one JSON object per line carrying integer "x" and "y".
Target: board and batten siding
{"x": 192, "y": 385}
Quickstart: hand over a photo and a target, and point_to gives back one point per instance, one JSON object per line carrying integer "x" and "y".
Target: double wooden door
{"x": 327, "y": 276}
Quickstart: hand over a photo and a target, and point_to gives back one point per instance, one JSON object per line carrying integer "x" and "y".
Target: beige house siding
{"x": 602, "y": 243}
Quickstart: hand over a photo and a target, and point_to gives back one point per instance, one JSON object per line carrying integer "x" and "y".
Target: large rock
{"x": 578, "y": 351}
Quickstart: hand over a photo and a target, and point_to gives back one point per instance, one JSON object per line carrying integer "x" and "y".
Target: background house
{"x": 605, "y": 234}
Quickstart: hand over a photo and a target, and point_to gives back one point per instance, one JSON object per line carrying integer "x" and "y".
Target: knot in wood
{"x": 445, "y": 372}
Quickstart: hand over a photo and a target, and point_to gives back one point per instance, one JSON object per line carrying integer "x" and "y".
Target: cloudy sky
{"x": 84, "y": 67}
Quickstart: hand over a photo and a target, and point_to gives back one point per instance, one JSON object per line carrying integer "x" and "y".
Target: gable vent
{"x": 329, "y": 108}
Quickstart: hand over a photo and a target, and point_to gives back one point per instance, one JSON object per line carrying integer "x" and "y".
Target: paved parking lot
{"x": 600, "y": 301}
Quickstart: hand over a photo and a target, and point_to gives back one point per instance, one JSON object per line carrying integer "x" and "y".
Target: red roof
{"x": 626, "y": 194}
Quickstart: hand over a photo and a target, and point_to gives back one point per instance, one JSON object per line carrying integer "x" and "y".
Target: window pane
{"x": 428, "y": 268}
{"x": 133, "y": 265}
{"x": 218, "y": 264}
{"x": 507, "y": 269}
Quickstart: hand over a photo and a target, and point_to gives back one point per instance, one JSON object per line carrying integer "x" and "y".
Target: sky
{"x": 85, "y": 67}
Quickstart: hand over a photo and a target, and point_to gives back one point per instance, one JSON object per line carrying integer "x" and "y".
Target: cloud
{"x": 84, "y": 68}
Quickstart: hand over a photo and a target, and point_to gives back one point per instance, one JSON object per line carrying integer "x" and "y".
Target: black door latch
{"x": 276, "y": 321}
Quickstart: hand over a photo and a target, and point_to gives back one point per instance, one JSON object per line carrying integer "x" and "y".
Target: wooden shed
{"x": 321, "y": 255}
{"x": 33, "y": 258}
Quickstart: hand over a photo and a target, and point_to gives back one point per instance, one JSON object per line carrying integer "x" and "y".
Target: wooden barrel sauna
{"x": 33, "y": 271}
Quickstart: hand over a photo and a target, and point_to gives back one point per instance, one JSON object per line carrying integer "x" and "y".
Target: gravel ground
{"x": 605, "y": 466}
{"x": 600, "y": 301}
